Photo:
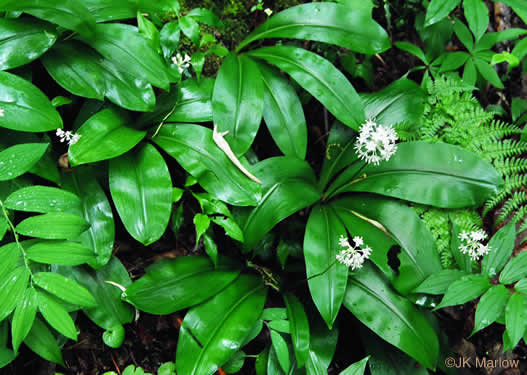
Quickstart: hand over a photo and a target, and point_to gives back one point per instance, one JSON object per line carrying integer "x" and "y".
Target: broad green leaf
{"x": 175, "y": 284}
{"x": 41, "y": 341}
{"x": 130, "y": 51}
{"x": 53, "y": 226}
{"x": 66, "y": 253}
{"x": 12, "y": 288}
{"x": 23, "y": 318}
{"x": 22, "y": 41}
{"x": 110, "y": 310}
{"x": 465, "y": 289}
{"x": 488, "y": 72}
{"x": 288, "y": 186}
{"x": 299, "y": 327}
{"x": 320, "y": 78}
{"x": 274, "y": 313}
{"x": 142, "y": 192}
{"x": 6, "y": 356}
{"x": 453, "y": 60}
{"x": 149, "y": 31}
{"x": 418, "y": 256}
{"x": 401, "y": 101}
{"x": 323, "y": 345}
{"x": 11, "y": 256}
{"x": 167, "y": 368}
{"x": 515, "y": 319}
{"x": 358, "y": 368}
{"x": 42, "y": 199}
{"x": 281, "y": 349}
{"x": 464, "y": 34}
{"x": 477, "y": 15}
{"x": 238, "y": 101}
{"x": 213, "y": 331}
{"x": 70, "y": 14}
{"x": 282, "y": 326}
{"x": 439, "y": 9}
{"x": 521, "y": 286}
{"x": 327, "y": 278}
{"x": 17, "y": 160}
{"x": 230, "y": 226}
{"x": 169, "y": 38}
{"x": 437, "y": 174}
{"x": 188, "y": 143}
{"x": 205, "y": 16}
{"x": 96, "y": 210}
{"x": 519, "y": 7}
{"x": 439, "y": 282}
{"x": 490, "y": 307}
{"x": 83, "y": 72}
{"x": 56, "y": 315}
{"x": 283, "y": 113}
{"x": 325, "y": 22}
{"x": 395, "y": 319}
{"x": 64, "y": 288}
{"x": 201, "y": 223}
{"x": 501, "y": 245}
{"x": 190, "y": 28}
{"x": 515, "y": 270}
{"x": 413, "y": 49}
{"x": 104, "y": 136}
{"x": 25, "y": 107}
{"x": 470, "y": 74}
{"x": 490, "y": 39}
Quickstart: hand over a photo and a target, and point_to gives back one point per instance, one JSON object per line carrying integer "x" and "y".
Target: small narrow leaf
{"x": 515, "y": 269}
{"x": 23, "y": 317}
{"x": 17, "y": 160}
{"x": 41, "y": 199}
{"x": 464, "y": 290}
{"x": 490, "y": 307}
{"x": 64, "y": 288}
{"x": 65, "y": 253}
{"x": 53, "y": 225}
{"x": 56, "y": 315}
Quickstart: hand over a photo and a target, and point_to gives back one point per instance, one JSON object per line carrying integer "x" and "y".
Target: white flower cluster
{"x": 67, "y": 136}
{"x": 471, "y": 244}
{"x": 2, "y": 112}
{"x": 376, "y": 142}
{"x": 181, "y": 62}
{"x": 353, "y": 256}
{"x": 268, "y": 12}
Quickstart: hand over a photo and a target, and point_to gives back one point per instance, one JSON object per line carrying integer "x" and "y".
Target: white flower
{"x": 471, "y": 244}
{"x": 268, "y": 12}
{"x": 181, "y": 62}
{"x": 67, "y": 136}
{"x": 376, "y": 142}
{"x": 353, "y": 256}
{"x": 2, "y": 112}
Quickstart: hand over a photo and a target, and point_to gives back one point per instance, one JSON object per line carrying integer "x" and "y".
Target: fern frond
{"x": 512, "y": 204}
{"x": 493, "y": 202}
{"x": 510, "y": 166}
{"x": 521, "y": 214}
{"x": 505, "y": 148}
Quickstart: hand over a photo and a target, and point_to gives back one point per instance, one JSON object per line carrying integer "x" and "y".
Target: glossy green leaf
{"x": 515, "y": 270}
{"x": 358, "y": 368}
{"x": 213, "y": 331}
{"x": 490, "y": 39}
{"x": 114, "y": 336}
{"x": 70, "y": 14}
{"x": 401, "y": 101}
{"x": 325, "y": 22}
{"x": 53, "y": 226}
{"x": 83, "y": 72}
{"x": 11, "y": 256}
{"x": 490, "y": 307}
{"x": 230, "y": 226}
{"x": 111, "y": 10}
{"x": 439, "y": 282}
{"x": 465, "y": 289}
{"x": 320, "y": 78}
{"x": 41, "y": 199}
{"x": 299, "y": 327}
{"x": 110, "y": 310}
{"x": 175, "y": 284}
{"x": 188, "y": 143}
{"x": 17, "y": 160}
{"x": 169, "y": 38}
{"x": 22, "y": 41}
{"x": 283, "y": 113}
{"x": 190, "y": 28}
{"x": 56, "y": 315}
{"x": 193, "y": 102}
{"x": 288, "y": 185}
{"x": 327, "y": 278}
{"x": 12, "y": 288}
{"x": 418, "y": 256}
{"x": 322, "y": 347}
{"x": 131, "y": 52}
{"x": 23, "y": 318}
{"x": 238, "y": 101}
{"x": 149, "y": 31}
{"x": 201, "y": 223}
{"x": 64, "y": 288}
{"x": 488, "y": 73}
{"x": 439, "y": 9}
{"x": 281, "y": 349}
{"x": 413, "y": 49}
{"x": 66, "y": 253}
{"x": 464, "y": 34}
{"x": 502, "y": 245}
{"x": 274, "y": 313}
{"x": 395, "y": 319}
{"x": 141, "y": 189}
{"x": 96, "y": 210}
{"x": 477, "y": 15}
{"x": 205, "y": 16}
{"x": 25, "y": 107}
{"x": 515, "y": 319}
{"x": 41, "y": 341}
{"x": 521, "y": 286}
{"x": 437, "y": 174}
{"x": 104, "y": 136}
{"x": 282, "y": 326}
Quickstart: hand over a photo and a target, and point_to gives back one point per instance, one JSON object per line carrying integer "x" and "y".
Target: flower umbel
{"x": 67, "y": 136}
{"x": 471, "y": 244}
{"x": 353, "y": 256}
{"x": 181, "y": 62}
{"x": 376, "y": 142}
